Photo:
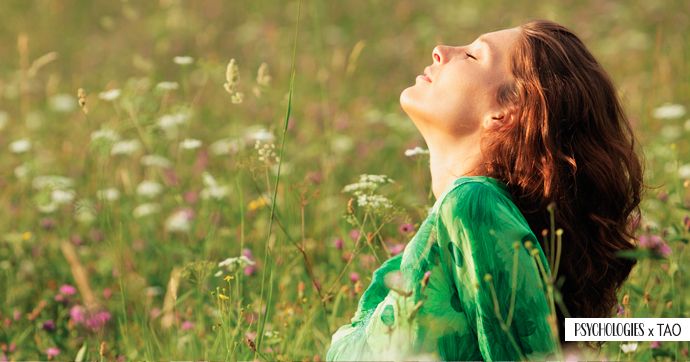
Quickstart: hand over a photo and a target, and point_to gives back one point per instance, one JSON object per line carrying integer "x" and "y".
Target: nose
{"x": 441, "y": 54}
{"x": 436, "y": 54}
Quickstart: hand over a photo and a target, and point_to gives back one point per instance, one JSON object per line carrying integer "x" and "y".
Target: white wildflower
{"x": 23, "y": 170}
{"x": 218, "y": 273}
{"x": 224, "y": 146}
{"x": 105, "y": 134}
{"x": 149, "y": 188}
{"x": 62, "y": 103}
{"x": 237, "y": 98}
{"x": 232, "y": 263}
{"x": 342, "y": 144}
{"x": 629, "y": 347}
{"x": 62, "y": 196}
{"x": 684, "y": 171}
{"x": 374, "y": 201}
{"x": 183, "y": 60}
{"x": 20, "y": 146}
{"x": 110, "y": 95}
{"x": 110, "y": 194}
{"x": 260, "y": 135}
{"x": 686, "y": 125}
{"x": 416, "y": 151}
{"x": 145, "y": 209}
{"x": 153, "y": 291}
{"x": 190, "y": 144}
{"x": 212, "y": 188}
{"x": 671, "y": 132}
{"x": 669, "y": 111}
{"x": 125, "y": 147}
{"x": 179, "y": 221}
{"x": 167, "y": 86}
{"x": 54, "y": 182}
{"x": 156, "y": 161}
{"x": 232, "y": 76}
{"x": 171, "y": 120}
{"x": 367, "y": 183}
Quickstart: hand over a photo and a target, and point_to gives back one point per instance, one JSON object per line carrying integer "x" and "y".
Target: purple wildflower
{"x": 405, "y": 228}
{"x": 68, "y": 290}
{"x": 621, "y": 310}
{"x": 338, "y": 243}
{"x": 191, "y": 197}
{"x": 655, "y": 344}
{"x": 52, "y": 352}
{"x": 249, "y": 269}
{"x": 77, "y": 314}
{"x": 354, "y": 234}
{"x": 663, "y": 196}
{"x": 107, "y": 293}
{"x": 251, "y": 335}
{"x": 48, "y": 325}
{"x": 354, "y": 277}
{"x": 98, "y": 320}
{"x": 17, "y": 315}
{"x": 187, "y": 325}
{"x": 47, "y": 223}
{"x": 397, "y": 249}
{"x": 155, "y": 312}
{"x": 77, "y": 240}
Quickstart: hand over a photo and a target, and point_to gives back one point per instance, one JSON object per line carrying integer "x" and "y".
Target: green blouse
{"x": 470, "y": 231}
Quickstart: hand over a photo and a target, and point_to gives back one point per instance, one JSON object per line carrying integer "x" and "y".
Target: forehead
{"x": 500, "y": 40}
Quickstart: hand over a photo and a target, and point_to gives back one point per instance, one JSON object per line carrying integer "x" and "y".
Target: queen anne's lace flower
{"x": 233, "y": 263}
{"x": 416, "y": 151}
{"x": 125, "y": 147}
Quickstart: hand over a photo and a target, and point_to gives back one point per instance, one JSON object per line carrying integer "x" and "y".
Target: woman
{"x": 518, "y": 120}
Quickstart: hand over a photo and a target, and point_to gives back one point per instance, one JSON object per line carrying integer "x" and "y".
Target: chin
{"x": 406, "y": 100}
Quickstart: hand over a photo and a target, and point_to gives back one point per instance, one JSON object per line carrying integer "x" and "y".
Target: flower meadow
{"x": 218, "y": 180}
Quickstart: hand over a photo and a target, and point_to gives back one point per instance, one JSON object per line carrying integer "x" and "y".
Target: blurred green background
{"x": 353, "y": 59}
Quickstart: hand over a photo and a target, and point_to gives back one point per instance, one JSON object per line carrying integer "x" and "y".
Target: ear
{"x": 500, "y": 118}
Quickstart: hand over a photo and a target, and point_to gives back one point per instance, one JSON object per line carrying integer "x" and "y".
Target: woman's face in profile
{"x": 458, "y": 91}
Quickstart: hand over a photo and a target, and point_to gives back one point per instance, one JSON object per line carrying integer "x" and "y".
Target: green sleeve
{"x": 477, "y": 227}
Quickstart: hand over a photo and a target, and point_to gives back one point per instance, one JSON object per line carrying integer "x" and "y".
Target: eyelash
{"x": 470, "y": 56}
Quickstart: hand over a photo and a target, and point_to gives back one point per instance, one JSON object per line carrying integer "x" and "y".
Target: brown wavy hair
{"x": 571, "y": 146}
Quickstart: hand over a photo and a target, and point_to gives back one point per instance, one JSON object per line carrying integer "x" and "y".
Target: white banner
{"x": 627, "y": 329}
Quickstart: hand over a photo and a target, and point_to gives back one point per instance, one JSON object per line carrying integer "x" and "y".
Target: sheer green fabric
{"x": 469, "y": 232}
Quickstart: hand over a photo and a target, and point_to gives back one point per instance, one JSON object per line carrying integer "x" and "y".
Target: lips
{"x": 426, "y": 73}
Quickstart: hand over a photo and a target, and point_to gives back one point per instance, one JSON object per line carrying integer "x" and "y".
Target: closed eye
{"x": 470, "y": 56}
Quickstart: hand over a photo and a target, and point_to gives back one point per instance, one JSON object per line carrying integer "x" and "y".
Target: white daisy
{"x": 190, "y": 144}
{"x": 149, "y": 188}
{"x": 183, "y": 60}
{"x": 145, "y": 210}
{"x": 20, "y": 146}
{"x": 110, "y": 95}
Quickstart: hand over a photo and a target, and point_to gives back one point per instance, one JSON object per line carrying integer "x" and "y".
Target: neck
{"x": 452, "y": 160}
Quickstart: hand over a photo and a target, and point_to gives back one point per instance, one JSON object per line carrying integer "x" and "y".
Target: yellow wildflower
{"x": 222, "y": 296}
{"x": 26, "y": 236}
{"x": 228, "y": 278}
{"x": 256, "y": 204}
